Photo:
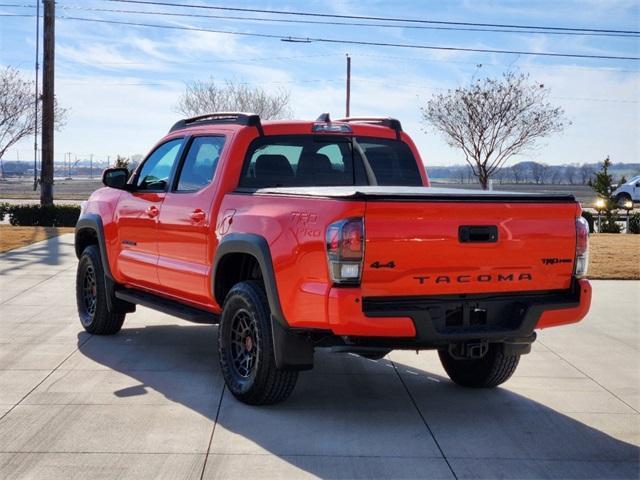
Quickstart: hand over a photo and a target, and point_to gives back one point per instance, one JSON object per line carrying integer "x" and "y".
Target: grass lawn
{"x": 13, "y": 237}
{"x": 614, "y": 256}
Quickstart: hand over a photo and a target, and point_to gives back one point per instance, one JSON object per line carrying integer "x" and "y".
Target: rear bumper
{"x": 432, "y": 321}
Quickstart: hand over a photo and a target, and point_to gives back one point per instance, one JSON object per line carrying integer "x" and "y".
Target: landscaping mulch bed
{"x": 614, "y": 256}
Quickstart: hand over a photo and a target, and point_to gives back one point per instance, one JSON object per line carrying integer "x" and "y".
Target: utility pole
{"x": 37, "y": 101}
{"x": 48, "y": 103}
{"x": 348, "y": 84}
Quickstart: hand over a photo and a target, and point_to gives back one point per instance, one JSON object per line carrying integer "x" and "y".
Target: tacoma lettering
{"x": 484, "y": 278}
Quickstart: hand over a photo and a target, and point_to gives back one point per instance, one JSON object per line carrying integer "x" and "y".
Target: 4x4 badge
{"x": 377, "y": 264}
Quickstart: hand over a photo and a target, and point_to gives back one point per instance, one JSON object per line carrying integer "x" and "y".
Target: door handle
{"x": 152, "y": 211}
{"x": 197, "y": 215}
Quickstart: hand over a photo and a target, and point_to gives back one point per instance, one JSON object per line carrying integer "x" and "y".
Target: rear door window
{"x": 200, "y": 163}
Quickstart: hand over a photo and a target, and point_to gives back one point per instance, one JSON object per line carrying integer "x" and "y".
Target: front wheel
{"x": 91, "y": 296}
{"x": 245, "y": 347}
{"x": 489, "y": 371}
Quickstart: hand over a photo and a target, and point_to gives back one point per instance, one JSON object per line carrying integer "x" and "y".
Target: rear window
{"x": 325, "y": 160}
{"x": 391, "y": 161}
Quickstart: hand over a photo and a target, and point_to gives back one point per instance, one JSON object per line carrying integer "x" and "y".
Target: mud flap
{"x": 292, "y": 351}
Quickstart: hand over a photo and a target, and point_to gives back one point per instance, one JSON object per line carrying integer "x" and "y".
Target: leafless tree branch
{"x": 17, "y": 109}
{"x": 202, "y": 97}
{"x": 494, "y": 119}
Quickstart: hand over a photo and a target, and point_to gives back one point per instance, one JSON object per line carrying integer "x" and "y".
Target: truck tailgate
{"x": 429, "y": 241}
{"x": 478, "y": 246}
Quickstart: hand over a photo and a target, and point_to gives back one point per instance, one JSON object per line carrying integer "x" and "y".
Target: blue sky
{"x": 122, "y": 82}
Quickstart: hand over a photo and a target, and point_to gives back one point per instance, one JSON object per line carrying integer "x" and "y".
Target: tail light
{"x": 345, "y": 250}
{"x": 582, "y": 247}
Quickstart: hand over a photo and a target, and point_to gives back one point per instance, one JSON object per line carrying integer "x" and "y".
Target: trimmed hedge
{"x": 634, "y": 223}
{"x": 43, "y": 216}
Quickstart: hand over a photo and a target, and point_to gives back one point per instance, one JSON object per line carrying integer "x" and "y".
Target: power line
{"x": 334, "y": 23}
{"x": 362, "y": 17}
{"x": 353, "y": 42}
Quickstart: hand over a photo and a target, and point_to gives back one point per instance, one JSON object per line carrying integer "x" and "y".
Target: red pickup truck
{"x": 297, "y": 235}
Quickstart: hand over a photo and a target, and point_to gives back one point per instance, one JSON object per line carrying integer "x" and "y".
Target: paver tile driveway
{"x": 150, "y": 402}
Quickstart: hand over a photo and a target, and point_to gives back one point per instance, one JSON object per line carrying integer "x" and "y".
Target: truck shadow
{"x": 372, "y": 411}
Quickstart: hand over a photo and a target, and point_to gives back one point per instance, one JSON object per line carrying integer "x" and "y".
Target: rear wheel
{"x": 91, "y": 296}
{"x": 489, "y": 371}
{"x": 245, "y": 346}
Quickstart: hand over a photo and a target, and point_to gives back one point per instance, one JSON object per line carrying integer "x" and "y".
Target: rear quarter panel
{"x": 294, "y": 228}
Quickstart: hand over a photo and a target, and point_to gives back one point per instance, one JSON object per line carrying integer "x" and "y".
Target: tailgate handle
{"x": 478, "y": 233}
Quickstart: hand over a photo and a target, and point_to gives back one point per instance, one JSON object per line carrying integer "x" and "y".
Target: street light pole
{"x": 348, "y": 109}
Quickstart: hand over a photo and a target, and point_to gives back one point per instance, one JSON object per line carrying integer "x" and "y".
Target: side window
{"x": 200, "y": 164}
{"x": 155, "y": 172}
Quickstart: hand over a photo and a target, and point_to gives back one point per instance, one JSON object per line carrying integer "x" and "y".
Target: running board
{"x": 170, "y": 307}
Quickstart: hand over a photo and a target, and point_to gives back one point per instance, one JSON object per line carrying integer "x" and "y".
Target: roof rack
{"x": 238, "y": 118}
{"x": 384, "y": 121}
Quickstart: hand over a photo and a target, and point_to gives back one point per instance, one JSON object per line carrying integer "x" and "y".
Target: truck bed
{"x": 423, "y": 194}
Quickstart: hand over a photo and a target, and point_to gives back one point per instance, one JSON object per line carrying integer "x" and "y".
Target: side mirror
{"x": 116, "y": 178}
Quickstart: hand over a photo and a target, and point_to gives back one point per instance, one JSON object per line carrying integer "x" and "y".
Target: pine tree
{"x": 602, "y": 184}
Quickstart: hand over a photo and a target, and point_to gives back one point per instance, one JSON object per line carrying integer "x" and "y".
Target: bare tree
{"x": 202, "y": 97}
{"x": 539, "y": 172}
{"x": 586, "y": 172}
{"x": 494, "y": 119}
{"x": 570, "y": 173}
{"x": 17, "y": 109}
{"x": 520, "y": 172}
{"x": 556, "y": 175}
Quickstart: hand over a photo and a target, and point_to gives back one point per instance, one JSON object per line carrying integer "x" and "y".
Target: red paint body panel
{"x": 553, "y": 318}
{"x": 173, "y": 254}
{"x": 346, "y": 317}
{"x": 422, "y": 240}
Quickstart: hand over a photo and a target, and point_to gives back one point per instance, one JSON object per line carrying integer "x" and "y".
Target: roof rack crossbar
{"x": 238, "y": 118}
{"x": 392, "y": 123}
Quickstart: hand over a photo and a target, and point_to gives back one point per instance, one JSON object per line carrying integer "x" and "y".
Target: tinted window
{"x": 200, "y": 164}
{"x": 156, "y": 170}
{"x": 302, "y": 160}
{"x": 391, "y": 161}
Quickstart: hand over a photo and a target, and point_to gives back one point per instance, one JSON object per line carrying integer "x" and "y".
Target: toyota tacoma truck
{"x": 297, "y": 235}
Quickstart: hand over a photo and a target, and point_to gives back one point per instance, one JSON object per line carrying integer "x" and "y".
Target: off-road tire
{"x": 96, "y": 318}
{"x": 262, "y": 383}
{"x": 489, "y": 371}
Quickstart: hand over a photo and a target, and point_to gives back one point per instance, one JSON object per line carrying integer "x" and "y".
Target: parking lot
{"x": 150, "y": 402}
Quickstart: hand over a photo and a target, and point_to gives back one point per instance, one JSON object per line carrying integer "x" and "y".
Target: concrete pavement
{"x": 150, "y": 402}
